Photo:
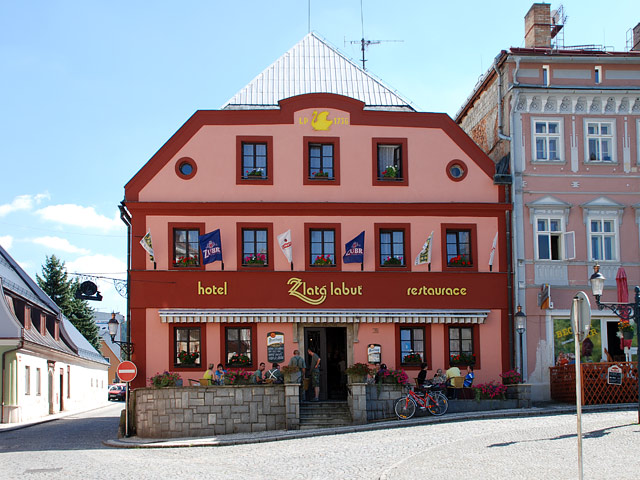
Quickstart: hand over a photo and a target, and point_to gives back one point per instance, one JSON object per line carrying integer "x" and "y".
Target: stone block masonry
{"x": 216, "y": 410}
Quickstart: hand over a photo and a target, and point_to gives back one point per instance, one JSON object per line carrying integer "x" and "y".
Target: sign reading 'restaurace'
{"x": 343, "y": 290}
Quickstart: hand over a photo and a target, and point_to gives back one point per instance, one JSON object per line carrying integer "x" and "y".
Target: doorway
{"x": 330, "y": 343}
{"x": 613, "y": 342}
{"x": 61, "y": 389}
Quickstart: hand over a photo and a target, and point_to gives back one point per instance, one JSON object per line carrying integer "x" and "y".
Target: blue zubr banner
{"x": 211, "y": 247}
{"x": 354, "y": 250}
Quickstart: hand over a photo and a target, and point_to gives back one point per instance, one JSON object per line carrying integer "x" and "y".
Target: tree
{"x": 61, "y": 290}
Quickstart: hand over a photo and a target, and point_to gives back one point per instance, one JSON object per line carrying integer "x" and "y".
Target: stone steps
{"x": 324, "y": 414}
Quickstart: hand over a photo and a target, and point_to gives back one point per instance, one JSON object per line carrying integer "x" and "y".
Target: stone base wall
{"x": 380, "y": 399}
{"x": 204, "y": 411}
{"x": 521, "y": 393}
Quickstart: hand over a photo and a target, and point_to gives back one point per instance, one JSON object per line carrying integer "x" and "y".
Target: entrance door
{"x": 61, "y": 389}
{"x": 330, "y": 343}
{"x": 613, "y": 342}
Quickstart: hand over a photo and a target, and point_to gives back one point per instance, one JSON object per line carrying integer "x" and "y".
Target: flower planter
{"x": 355, "y": 378}
{"x": 627, "y": 334}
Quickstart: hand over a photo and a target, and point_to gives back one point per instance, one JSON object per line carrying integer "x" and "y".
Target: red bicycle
{"x": 436, "y": 403}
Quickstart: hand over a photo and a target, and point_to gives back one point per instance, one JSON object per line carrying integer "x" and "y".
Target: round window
{"x": 186, "y": 168}
{"x": 456, "y": 170}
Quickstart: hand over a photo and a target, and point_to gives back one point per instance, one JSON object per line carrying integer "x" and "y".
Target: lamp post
{"x": 625, "y": 311}
{"x": 521, "y": 327}
{"x": 126, "y": 347}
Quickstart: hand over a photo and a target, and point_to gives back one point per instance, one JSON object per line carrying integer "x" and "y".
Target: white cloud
{"x": 103, "y": 266}
{"x": 79, "y": 216}
{"x": 61, "y": 244}
{"x": 23, "y": 202}
{"x": 6, "y": 241}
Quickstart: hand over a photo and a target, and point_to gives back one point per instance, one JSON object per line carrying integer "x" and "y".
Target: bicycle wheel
{"x": 437, "y": 404}
{"x": 404, "y": 407}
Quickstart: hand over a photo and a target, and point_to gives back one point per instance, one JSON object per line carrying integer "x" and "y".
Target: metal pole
{"x": 576, "y": 340}
{"x": 126, "y": 413}
{"x": 636, "y": 317}
{"x": 521, "y": 357}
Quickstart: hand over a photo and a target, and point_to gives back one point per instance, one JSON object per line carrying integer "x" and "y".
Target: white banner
{"x": 284, "y": 240}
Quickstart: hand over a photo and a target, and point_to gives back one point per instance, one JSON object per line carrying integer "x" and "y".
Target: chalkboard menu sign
{"x": 275, "y": 347}
{"x": 614, "y": 375}
{"x": 373, "y": 353}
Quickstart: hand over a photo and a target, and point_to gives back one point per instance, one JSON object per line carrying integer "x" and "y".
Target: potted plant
{"x": 358, "y": 372}
{"x": 490, "y": 391}
{"x": 320, "y": 174}
{"x": 256, "y": 172}
{"x": 166, "y": 379}
{"x": 323, "y": 260}
{"x": 462, "y": 359}
{"x": 187, "y": 358}
{"x": 290, "y": 372}
{"x": 239, "y": 359}
{"x": 625, "y": 327}
{"x": 390, "y": 172}
{"x": 412, "y": 358}
{"x": 459, "y": 261}
{"x": 392, "y": 261}
{"x": 511, "y": 377}
{"x": 237, "y": 377}
{"x": 255, "y": 259}
{"x": 187, "y": 262}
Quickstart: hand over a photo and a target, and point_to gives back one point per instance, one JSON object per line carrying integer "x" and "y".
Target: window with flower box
{"x": 238, "y": 346}
{"x": 459, "y": 246}
{"x": 254, "y": 247}
{"x": 463, "y": 345}
{"x": 187, "y": 343}
{"x": 412, "y": 345}
{"x": 322, "y": 240}
{"x": 392, "y": 248}
{"x": 390, "y": 161}
{"x": 254, "y": 159}
{"x": 185, "y": 245}
{"x": 321, "y": 160}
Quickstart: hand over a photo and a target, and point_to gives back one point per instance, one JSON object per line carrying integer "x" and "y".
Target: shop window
{"x": 547, "y": 141}
{"x": 322, "y": 247}
{"x": 412, "y": 345}
{"x": 187, "y": 342}
{"x": 599, "y": 140}
{"x": 254, "y": 158}
{"x": 254, "y": 247}
{"x": 186, "y": 248}
{"x": 392, "y": 252}
{"x": 461, "y": 346}
{"x": 390, "y": 161}
{"x": 238, "y": 346}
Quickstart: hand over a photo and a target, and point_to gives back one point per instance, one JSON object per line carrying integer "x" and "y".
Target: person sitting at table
{"x": 381, "y": 373}
{"x": 274, "y": 375}
{"x": 218, "y": 375}
{"x": 422, "y": 375}
{"x": 257, "y": 376}
{"x": 439, "y": 378}
{"x": 468, "y": 378}
{"x": 452, "y": 372}
{"x": 208, "y": 374}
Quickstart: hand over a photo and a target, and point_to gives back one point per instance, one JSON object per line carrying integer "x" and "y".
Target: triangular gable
{"x": 313, "y": 66}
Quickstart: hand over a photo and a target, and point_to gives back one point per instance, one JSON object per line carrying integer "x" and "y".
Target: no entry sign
{"x": 127, "y": 371}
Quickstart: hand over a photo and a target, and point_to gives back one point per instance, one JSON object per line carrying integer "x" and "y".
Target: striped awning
{"x": 323, "y": 316}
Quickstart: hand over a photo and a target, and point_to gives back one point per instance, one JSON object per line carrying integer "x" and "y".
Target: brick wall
{"x": 206, "y": 411}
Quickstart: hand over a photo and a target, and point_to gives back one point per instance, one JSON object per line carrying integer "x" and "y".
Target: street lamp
{"x": 625, "y": 311}
{"x": 521, "y": 327}
{"x": 113, "y": 325}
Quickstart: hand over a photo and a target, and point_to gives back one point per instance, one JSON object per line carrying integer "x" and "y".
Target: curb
{"x": 281, "y": 435}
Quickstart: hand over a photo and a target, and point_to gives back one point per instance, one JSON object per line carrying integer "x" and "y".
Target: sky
{"x": 90, "y": 90}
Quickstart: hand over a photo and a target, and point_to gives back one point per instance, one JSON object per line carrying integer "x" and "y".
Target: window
{"x": 254, "y": 247}
{"x": 186, "y": 168}
{"x": 545, "y": 75}
{"x": 392, "y": 253}
{"x": 390, "y": 161}
{"x": 238, "y": 346}
{"x": 322, "y": 247}
{"x": 461, "y": 345}
{"x": 552, "y": 242}
{"x": 456, "y": 170}
{"x": 597, "y": 74}
{"x": 254, "y": 156}
{"x": 599, "y": 141}
{"x": 412, "y": 343}
{"x": 186, "y": 247}
{"x": 602, "y": 239}
{"x": 459, "y": 248}
{"x": 27, "y": 380}
{"x": 39, "y": 383}
{"x": 547, "y": 141}
{"x": 186, "y": 347}
{"x": 321, "y": 160}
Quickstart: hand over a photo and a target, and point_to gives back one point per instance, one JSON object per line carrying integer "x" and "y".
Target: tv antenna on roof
{"x": 365, "y": 43}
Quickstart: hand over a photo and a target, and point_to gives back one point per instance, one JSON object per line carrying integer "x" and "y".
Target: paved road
{"x": 515, "y": 448}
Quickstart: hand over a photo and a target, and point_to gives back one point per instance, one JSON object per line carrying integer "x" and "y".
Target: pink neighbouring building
{"x": 564, "y": 123}
{"x": 317, "y": 147}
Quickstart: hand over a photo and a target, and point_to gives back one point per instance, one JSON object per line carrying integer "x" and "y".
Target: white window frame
{"x": 601, "y": 234}
{"x": 566, "y": 240}
{"x": 600, "y": 137}
{"x": 597, "y": 74}
{"x": 546, "y": 136}
{"x": 545, "y": 75}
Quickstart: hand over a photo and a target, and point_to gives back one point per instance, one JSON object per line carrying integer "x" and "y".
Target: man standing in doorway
{"x": 315, "y": 373}
{"x": 298, "y": 361}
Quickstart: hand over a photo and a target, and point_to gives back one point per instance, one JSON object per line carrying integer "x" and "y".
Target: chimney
{"x": 537, "y": 26}
{"x": 636, "y": 38}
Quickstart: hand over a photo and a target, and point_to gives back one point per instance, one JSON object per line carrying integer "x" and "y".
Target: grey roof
{"x": 312, "y": 66}
{"x": 85, "y": 349}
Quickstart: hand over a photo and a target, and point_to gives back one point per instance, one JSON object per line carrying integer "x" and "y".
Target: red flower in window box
{"x": 255, "y": 259}
{"x": 187, "y": 262}
{"x": 462, "y": 359}
{"x": 460, "y": 261}
{"x": 323, "y": 260}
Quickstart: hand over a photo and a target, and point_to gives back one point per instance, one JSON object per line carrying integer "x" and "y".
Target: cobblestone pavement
{"x": 519, "y": 448}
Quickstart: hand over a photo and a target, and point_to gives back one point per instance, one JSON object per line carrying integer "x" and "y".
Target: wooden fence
{"x": 595, "y": 388}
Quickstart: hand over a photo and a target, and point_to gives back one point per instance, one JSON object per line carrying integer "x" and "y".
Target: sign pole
{"x": 126, "y": 413}
{"x": 576, "y": 336}
{"x": 127, "y": 372}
